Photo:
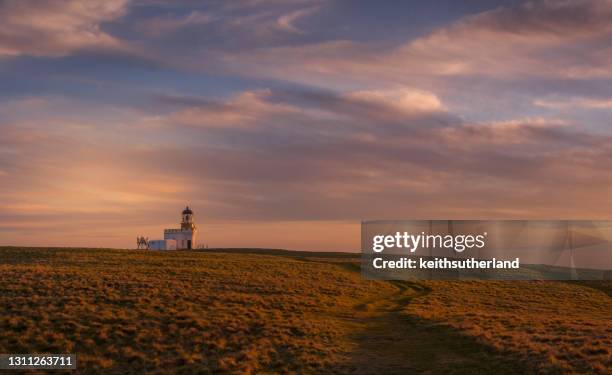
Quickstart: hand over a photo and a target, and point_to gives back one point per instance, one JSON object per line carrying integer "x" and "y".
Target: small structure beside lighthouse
{"x": 178, "y": 239}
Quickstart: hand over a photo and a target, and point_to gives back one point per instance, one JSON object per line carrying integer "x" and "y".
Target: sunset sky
{"x": 285, "y": 123}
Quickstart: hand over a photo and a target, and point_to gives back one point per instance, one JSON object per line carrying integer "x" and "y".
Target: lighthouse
{"x": 186, "y": 236}
{"x": 183, "y": 238}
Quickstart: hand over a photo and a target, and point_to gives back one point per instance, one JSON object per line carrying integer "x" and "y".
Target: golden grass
{"x": 183, "y": 312}
{"x": 557, "y": 327}
{"x": 135, "y": 311}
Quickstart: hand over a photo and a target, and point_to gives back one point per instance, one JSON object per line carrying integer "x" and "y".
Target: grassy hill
{"x": 254, "y": 311}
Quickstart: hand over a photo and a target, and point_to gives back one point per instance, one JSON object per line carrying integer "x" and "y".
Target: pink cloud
{"x": 304, "y": 162}
{"x": 56, "y": 27}
{"x": 533, "y": 39}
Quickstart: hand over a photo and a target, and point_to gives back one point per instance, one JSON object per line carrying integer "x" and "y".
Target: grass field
{"x": 128, "y": 311}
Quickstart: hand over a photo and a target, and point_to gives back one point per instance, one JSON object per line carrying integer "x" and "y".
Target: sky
{"x": 284, "y": 124}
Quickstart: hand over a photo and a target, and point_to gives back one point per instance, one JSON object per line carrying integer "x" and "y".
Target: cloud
{"x": 246, "y": 109}
{"x": 56, "y": 27}
{"x": 287, "y": 22}
{"x": 279, "y": 109}
{"x": 159, "y": 26}
{"x": 224, "y": 26}
{"x": 402, "y": 99}
{"x": 296, "y": 156}
{"x": 345, "y": 144}
{"x": 544, "y": 39}
{"x": 540, "y": 37}
{"x": 569, "y": 103}
{"x": 465, "y": 121}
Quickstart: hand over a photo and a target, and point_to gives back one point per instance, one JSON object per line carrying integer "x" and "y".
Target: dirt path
{"x": 390, "y": 341}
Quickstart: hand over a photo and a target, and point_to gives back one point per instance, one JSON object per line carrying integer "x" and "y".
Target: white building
{"x": 162, "y": 245}
{"x": 178, "y": 239}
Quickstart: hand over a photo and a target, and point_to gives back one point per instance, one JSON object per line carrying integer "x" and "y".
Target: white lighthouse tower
{"x": 186, "y": 236}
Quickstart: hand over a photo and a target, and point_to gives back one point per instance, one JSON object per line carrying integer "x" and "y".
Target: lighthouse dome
{"x": 187, "y": 211}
